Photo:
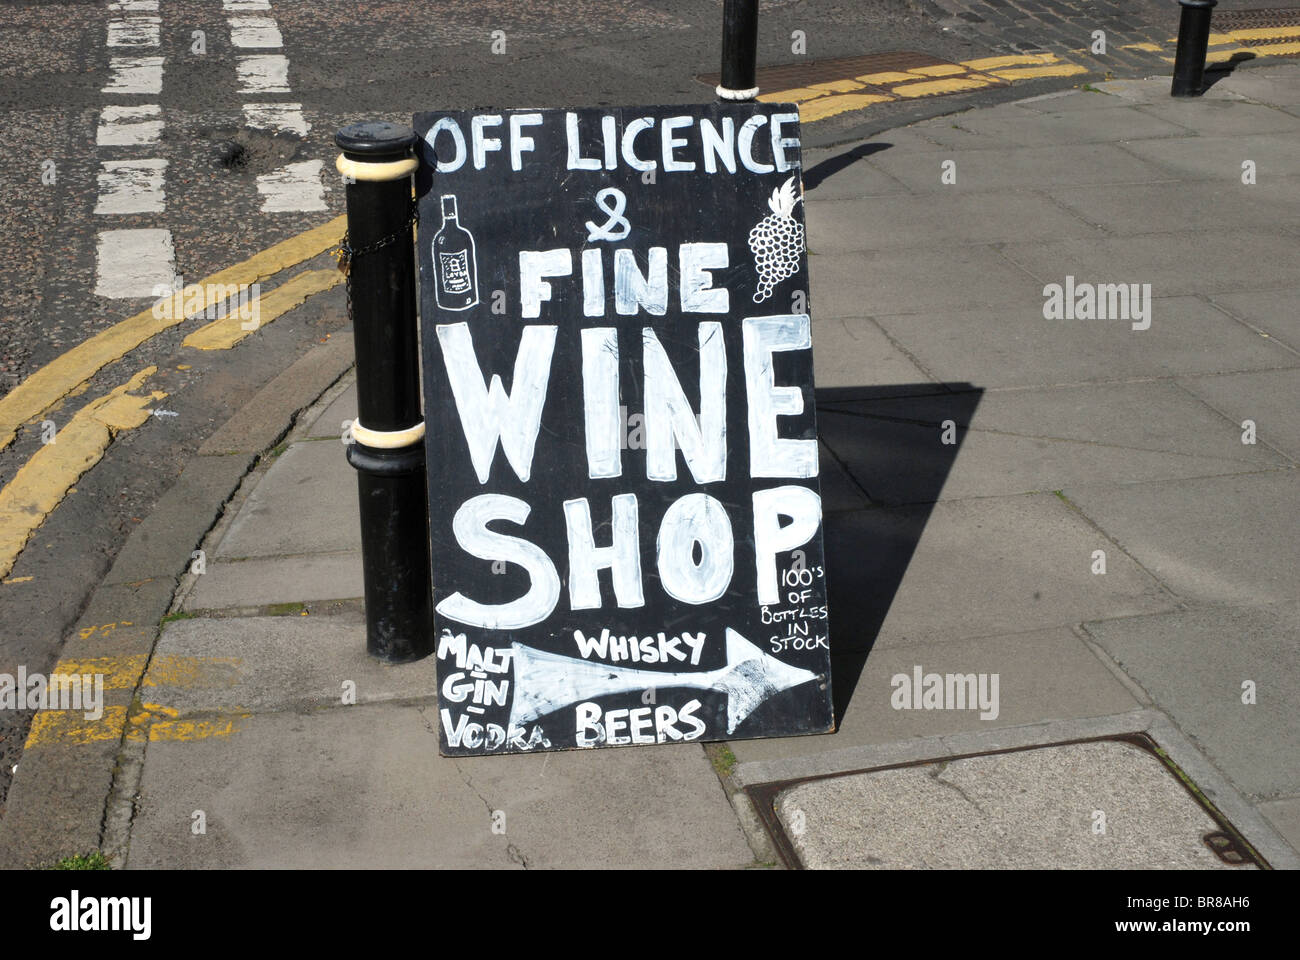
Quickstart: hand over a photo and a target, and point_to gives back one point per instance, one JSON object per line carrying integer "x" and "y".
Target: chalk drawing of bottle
{"x": 456, "y": 284}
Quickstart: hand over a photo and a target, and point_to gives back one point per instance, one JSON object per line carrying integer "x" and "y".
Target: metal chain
{"x": 346, "y": 253}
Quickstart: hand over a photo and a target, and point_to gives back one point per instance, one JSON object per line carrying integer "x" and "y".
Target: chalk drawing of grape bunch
{"x": 776, "y": 241}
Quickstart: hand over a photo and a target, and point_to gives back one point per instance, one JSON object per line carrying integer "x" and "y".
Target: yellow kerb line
{"x": 229, "y": 330}
{"x": 73, "y": 368}
{"x": 44, "y": 480}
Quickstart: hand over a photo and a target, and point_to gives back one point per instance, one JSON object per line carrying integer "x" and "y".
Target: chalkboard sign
{"x": 623, "y": 475}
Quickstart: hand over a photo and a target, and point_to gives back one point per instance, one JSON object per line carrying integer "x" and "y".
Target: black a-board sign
{"x": 624, "y": 503}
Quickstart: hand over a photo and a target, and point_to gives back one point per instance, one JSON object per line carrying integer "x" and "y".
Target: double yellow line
{"x": 42, "y": 483}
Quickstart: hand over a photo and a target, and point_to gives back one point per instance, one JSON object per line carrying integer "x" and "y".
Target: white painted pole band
{"x": 387, "y": 439}
{"x": 726, "y": 93}
{"x": 375, "y": 172}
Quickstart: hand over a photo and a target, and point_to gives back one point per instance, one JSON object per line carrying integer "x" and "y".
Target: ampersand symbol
{"x": 613, "y": 202}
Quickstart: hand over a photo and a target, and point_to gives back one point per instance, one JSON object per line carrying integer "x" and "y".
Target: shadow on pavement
{"x": 890, "y": 441}
{"x": 814, "y": 176}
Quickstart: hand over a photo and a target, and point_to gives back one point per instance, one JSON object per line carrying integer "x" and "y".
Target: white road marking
{"x": 131, "y": 263}
{"x": 246, "y": 4}
{"x": 296, "y": 187}
{"x": 129, "y": 126}
{"x": 276, "y": 117}
{"x": 255, "y": 33}
{"x": 148, "y": 6}
{"x": 263, "y": 73}
{"x": 135, "y": 75}
{"x": 131, "y": 186}
{"x": 135, "y": 32}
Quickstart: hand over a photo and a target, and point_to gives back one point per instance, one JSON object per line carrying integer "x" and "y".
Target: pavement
{"x": 1096, "y": 518}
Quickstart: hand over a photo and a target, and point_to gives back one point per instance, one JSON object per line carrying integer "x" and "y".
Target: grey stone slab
{"x": 855, "y": 353}
{"x": 246, "y": 583}
{"x": 162, "y": 544}
{"x": 1272, "y": 311}
{"x": 1285, "y": 816}
{"x": 1269, "y": 399}
{"x": 1180, "y": 206}
{"x": 1016, "y": 346}
{"x": 1017, "y": 168}
{"x": 275, "y": 663}
{"x": 881, "y": 282}
{"x": 305, "y": 503}
{"x": 1042, "y": 675}
{"x": 330, "y": 422}
{"x": 1026, "y": 441}
{"x": 363, "y": 786}
{"x": 1211, "y": 118}
{"x": 978, "y": 131}
{"x": 845, "y": 172}
{"x": 1033, "y": 809}
{"x": 1218, "y": 540}
{"x": 1194, "y": 664}
{"x": 1155, "y": 90}
{"x": 973, "y": 568}
{"x": 1278, "y": 90}
{"x": 265, "y": 418}
{"x": 1237, "y": 260}
{"x": 876, "y": 223}
{"x": 1071, "y": 101}
{"x": 1220, "y": 158}
{"x": 839, "y": 492}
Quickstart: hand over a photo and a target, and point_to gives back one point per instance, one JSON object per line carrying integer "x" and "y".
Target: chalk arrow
{"x": 545, "y": 682}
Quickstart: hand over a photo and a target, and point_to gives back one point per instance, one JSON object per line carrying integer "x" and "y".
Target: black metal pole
{"x": 389, "y": 450}
{"x": 1193, "y": 41}
{"x": 739, "y": 50}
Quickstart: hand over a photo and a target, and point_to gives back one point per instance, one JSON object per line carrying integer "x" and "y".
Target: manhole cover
{"x": 1284, "y": 23}
{"x": 1113, "y": 803}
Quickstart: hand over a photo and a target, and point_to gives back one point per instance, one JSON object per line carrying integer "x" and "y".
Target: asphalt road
{"x": 347, "y": 60}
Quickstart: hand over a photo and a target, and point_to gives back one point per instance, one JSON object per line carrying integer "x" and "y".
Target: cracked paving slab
{"x": 1031, "y": 809}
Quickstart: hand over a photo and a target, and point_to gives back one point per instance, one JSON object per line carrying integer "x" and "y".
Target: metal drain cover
{"x": 1102, "y": 804}
{"x": 1230, "y": 21}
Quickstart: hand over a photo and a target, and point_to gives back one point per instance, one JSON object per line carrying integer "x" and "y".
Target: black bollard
{"x": 388, "y": 452}
{"x": 1193, "y": 40}
{"x": 739, "y": 50}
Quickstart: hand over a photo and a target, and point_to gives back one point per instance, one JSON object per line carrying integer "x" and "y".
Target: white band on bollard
{"x": 375, "y": 172}
{"x": 726, "y": 93}
{"x": 387, "y": 439}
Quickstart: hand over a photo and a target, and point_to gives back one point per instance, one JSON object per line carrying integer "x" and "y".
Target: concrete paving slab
{"x": 1285, "y": 816}
{"x": 1272, "y": 311}
{"x": 993, "y": 347}
{"x": 305, "y": 503}
{"x": 1080, "y": 100}
{"x": 1034, "y": 809}
{"x": 1217, "y": 540}
{"x": 363, "y": 787}
{"x": 1180, "y": 206}
{"x": 858, "y": 354}
{"x": 977, "y": 131}
{"x": 1268, "y": 398}
{"x": 882, "y": 282}
{"x": 1041, "y": 675}
{"x": 276, "y": 663}
{"x": 1022, "y": 441}
{"x": 845, "y": 172}
{"x": 1156, "y": 90}
{"x": 249, "y": 583}
{"x": 878, "y": 223}
{"x": 1010, "y": 456}
{"x": 839, "y": 492}
{"x": 1193, "y": 663}
{"x": 1220, "y": 158}
{"x": 973, "y": 568}
{"x": 330, "y": 422}
{"x": 1237, "y": 260}
{"x": 1210, "y": 118}
{"x": 1017, "y": 168}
